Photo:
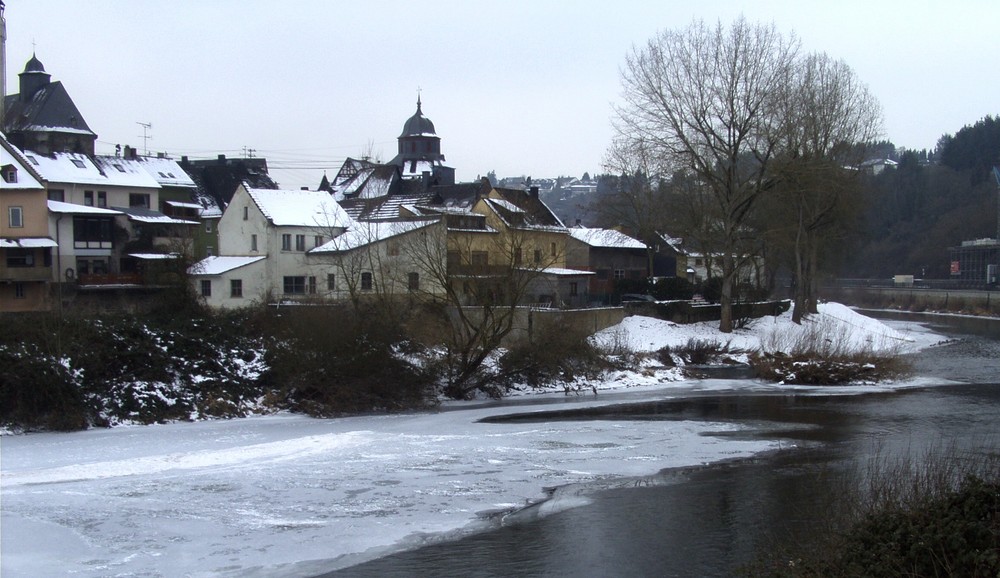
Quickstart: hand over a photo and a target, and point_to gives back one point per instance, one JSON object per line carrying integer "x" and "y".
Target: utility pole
{"x": 146, "y": 137}
{"x": 248, "y": 152}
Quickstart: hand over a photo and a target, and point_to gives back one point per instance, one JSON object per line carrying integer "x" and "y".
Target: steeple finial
{"x": 418, "y": 99}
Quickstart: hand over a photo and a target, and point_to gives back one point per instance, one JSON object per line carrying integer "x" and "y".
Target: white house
{"x": 231, "y": 282}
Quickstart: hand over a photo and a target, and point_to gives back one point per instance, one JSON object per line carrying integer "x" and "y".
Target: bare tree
{"x": 704, "y": 101}
{"x": 828, "y": 116}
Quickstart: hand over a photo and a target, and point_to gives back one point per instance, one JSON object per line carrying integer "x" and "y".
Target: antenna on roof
{"x": 248, "y": 152}
{"x": 146, "y": 137}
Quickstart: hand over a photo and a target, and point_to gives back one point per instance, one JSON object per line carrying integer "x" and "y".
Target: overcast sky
{"x": 519, "y": 87}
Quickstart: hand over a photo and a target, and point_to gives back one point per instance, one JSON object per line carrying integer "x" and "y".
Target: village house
{"x": 612, "y": 256}
{"x": 25, "y": 244}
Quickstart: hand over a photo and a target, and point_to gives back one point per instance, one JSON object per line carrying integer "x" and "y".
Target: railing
{"x": 104, "y": 279}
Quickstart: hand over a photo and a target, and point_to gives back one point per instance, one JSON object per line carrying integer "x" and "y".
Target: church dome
{"x": 418, "y": 125}
{"x": 34, "y": 65}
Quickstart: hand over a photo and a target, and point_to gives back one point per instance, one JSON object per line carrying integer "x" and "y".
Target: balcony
{"x": 109, "y": 279}
{"x": 23, "y": 274}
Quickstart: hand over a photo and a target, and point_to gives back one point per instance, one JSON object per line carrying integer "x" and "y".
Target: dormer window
{"x": 9, "y": 173}
{"x": 79, "y": 164}
{"x": 120, "y": 168}
{"x": 33, "y": 160}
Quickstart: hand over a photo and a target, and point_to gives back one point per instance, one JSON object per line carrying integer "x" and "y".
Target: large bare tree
{"x": 704, "y": 100}
{"x": 829, "y": 115}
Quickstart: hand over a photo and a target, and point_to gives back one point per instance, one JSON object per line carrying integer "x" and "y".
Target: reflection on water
{"x": 706, "y": 522}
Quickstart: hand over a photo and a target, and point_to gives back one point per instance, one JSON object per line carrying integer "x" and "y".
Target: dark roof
{"x": 219, "y": 178}
{"x": 34, "y": 65}
{"x": 418, "y": 125}
{"x": 50, "y": 106}
{"x": 535, "y": 212}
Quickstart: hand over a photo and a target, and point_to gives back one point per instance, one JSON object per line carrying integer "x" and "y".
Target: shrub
{"x": 555, "y": 353}
{"x": 672, "y": 288}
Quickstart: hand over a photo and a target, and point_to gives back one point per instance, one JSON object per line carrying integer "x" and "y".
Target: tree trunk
{"x": 726, "y": 296}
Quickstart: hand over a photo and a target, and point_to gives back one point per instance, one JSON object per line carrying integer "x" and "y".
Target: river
{"x": 711, "y": 521}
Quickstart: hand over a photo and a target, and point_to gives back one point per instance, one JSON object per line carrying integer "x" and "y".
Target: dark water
{"x": 710, "y": 521}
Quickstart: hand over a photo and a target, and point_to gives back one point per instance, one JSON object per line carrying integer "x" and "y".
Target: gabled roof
{"x": 85, "y": 170}
{"x": 382, "y": 208}
{"x": 522, "y": 209}
{"x": 144, "y": 215}
{"x": 362, "y": 233}
{"x": 297, "y": 208}
{"x": 166, "y": 171}
{"x": 605, "y": 238}
{"x": 218, "y": 265}
{"x": 27, "y": 176}
{"x": 50, "y": 109}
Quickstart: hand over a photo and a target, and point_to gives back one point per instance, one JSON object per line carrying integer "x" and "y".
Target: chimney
{"x": 425, "y": 180}
{"x": 534, "y": 192}
{"x": 579, "y": 223}
{"x": 222, "y": 159}
{"x": 305, "y": 188}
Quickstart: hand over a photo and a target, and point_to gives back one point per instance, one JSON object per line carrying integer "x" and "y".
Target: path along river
{"x": 709, "y": 521}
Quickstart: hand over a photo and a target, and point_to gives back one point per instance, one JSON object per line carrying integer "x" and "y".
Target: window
{"x": 393, "y": 248}
{"x": 57, "y": 195}
{"x": 236, "y": 287}
{"x": 102, "y": 199}
{"x": 619, "y": 273}
{"x": 413, "y": 281}
{"x": 553, "y": 249}
{"x": 206, "y": 287}
{"x": 15, "y": 217}
{"x": 78, "y": 164}
{"x": 118, "y": 167}
{"x": 286, "y": 242}
{"x": 10, "y": 173}
{"x": 312, "y": 285}
{"x": 366, "y": 281}
{"x": 253, "y": 242}
{"x": 209, "y": 250}
{"x": 331, "y": 282}
{"x": 573, "y": 289}
{"x": 88, "y": 198}
{"x": 20, "y": 258}
{"x": 480, "y": 258}
{"x": 518, "y": 256}
{"x": 538, "y": 256}
{"x": 92, "y": 233}
{"x": 19, "y": 291}
{"x": 208, "y": 226}
{"x": 33, "y": 160}
{"x": 295, "y": 285}
{"x": 300, "y": 242}
{"x": 138, "y": 200}
{"x": 246, "y": 213}
{"x": 317, "y": 240}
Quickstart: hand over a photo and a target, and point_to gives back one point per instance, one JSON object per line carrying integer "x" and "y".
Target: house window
{"x": 92, "y": 233}
{"x": 15, "y": 217}
{"x": 295, "y": 285}
{"x": 78, "y": 164}
{"x": 538, "y": 256}
{"x": 518, "y": 256}
{"x": 208, "y": 226}
{"x": 19, "y": 291}
{"x": 246, "y": 213}
{"x": 331, "y": 282}
{"x": 20, "y": 258}
{"x": 312, "y": 285}
{"x": 573, "y": 289}
{"x": 413, "y": 281}
{"x": 140, "y": 200}
{"x": 57, "y": 195}
{"x": 366, "y": 281}
{"x": 393, "y": 248}
{"x": 317, "y": 240}
{"x": 253, "y": 242}
{"x": 236, "y": 288}
{"x": 119, "y": 168}
{"x": 88, "y": 198}
{"x": 10, "y": 174}
{"x": 206, "y": 287}
{"x": 209, "y": 250}
{"x": 102, "y": 199}
{"x": 619, "y": 273}
{"x": 553, "y": 249}
{"x": 481, "y": 258}
{"x": 286, "y": 242}
{"x": 300, "y": 242}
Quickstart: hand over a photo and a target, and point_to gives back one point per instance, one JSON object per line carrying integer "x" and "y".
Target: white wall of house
{"x": 250, "y": 279}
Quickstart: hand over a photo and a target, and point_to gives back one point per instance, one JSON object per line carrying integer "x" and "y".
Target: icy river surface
{"x": 462, "y": 491}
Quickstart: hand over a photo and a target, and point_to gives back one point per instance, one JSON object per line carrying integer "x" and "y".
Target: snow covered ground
{"x": 287, "y": 495}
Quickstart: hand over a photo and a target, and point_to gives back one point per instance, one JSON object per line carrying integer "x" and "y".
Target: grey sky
{"x": 519, "y": 87}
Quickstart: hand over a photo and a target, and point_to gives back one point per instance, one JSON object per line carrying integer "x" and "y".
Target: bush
{"x": 672, "y": 289}
{"x": 555, "y": 353}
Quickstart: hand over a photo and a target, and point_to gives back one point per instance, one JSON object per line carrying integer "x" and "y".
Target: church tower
{"x": 419, "y": 151}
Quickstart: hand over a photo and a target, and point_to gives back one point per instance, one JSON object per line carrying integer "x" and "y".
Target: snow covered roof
{"x": 361, "y": 233}
{"x": 144, "y": 215}
{"x": 81, "y": 169}
{"x": 26, "y": 243}
{"x": 74, "y": 209}
{"x": 562, "y": 272}
{"x": 607, "y": 238}
{"x": 218, "y": 265}
{"x": 506, "y": 204}
{"x": 10, "y": 155}
{"x": 166, "y": 171}
{"x": 154, "y": 256}
{"x": 181, "y": 205}
{"x": 299, "y": 208}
